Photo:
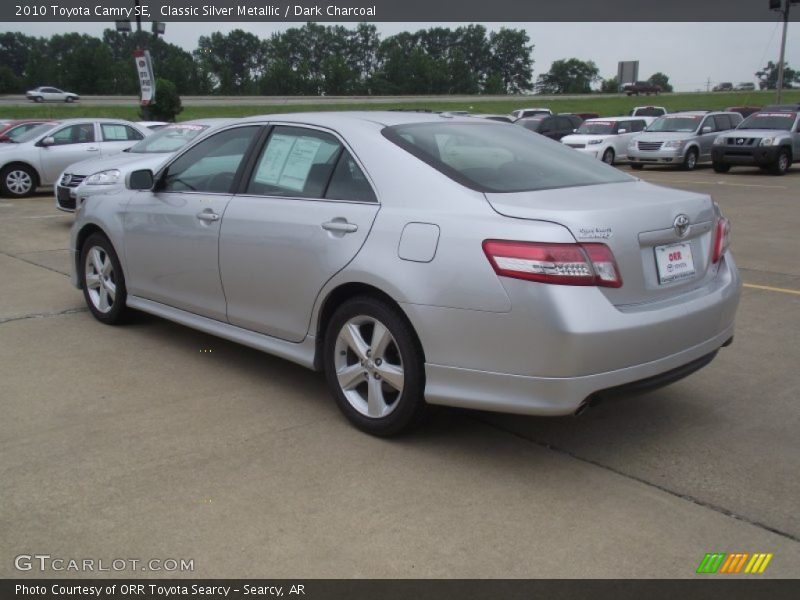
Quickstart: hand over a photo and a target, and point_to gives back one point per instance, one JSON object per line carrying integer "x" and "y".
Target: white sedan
{"x": 606, "y": 138}
{"x": 50, "y": 94}
{"x": 36, "y": 158}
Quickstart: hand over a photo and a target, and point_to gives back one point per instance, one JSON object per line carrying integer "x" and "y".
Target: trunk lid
{"x": 633, "y": 219}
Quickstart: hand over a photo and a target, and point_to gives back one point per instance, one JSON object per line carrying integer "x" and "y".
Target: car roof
{"x": 356, "y": 118}
{"x": 614, "y": 119}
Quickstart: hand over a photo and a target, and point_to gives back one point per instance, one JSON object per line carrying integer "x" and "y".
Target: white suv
{"x": 607, "y": 138}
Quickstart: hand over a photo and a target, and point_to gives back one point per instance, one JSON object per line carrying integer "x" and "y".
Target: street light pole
{"x": 785, "y": 11}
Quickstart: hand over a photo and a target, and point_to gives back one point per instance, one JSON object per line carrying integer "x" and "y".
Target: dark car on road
{"x": 641, "y": 87}
{"x": 553, "y": 126}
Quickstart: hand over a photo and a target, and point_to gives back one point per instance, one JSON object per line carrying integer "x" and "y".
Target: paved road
{"x": 20, "y": 100}
{"x": 155, "y": 441}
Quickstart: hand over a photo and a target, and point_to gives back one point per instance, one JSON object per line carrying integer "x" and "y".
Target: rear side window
{"x": 117, "y": 132}
{"x": 491, "y": 157}
{"x": 632, "y": 126}
{"x": 295, "y": 162}
{"x": 348, "y": 182}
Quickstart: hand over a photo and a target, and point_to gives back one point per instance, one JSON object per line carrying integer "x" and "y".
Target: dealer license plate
{"x": 674, "y": 262}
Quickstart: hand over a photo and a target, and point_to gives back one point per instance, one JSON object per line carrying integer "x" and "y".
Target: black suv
{"x": 553, "y": 126}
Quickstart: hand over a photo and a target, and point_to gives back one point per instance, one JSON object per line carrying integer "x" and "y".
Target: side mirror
{"x": 141, "y": 180}
{"x": 48, "y": 141}
{"x": 706, "y": 129}
{"x": 574, "y": 130}
{"x": 621, "y": 131}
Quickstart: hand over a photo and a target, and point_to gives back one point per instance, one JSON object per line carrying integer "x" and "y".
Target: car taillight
{"x": 564, "y": 264}
{"x": 722, "y": 239}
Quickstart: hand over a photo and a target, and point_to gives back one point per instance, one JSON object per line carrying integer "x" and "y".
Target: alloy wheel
{"x": 100, "y": 283}
{"x": 369, "y": 368}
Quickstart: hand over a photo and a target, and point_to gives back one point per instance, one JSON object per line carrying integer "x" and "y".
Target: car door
{"x": 71, "y": 144}
{"x": 631, "y": 129}
{"x": 796, "y": 139}
{"x": 53, "y": 94}
{"x": 706, "y": 140}
{"x": 302, "y": 215}
{"x": 116, "y": 137}
{"x": 172, "y": 232}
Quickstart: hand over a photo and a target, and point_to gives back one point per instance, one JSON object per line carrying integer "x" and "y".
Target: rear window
{"x": 777, "y": 120}
{"x": 169, "y": 138}
{"x": 489, "y": 157}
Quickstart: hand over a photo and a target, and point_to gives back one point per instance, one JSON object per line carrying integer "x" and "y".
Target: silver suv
{"x": 769, "y": 139}
{"x": 682, "y": 139}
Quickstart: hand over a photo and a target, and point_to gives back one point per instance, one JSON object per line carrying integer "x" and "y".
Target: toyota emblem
{"x": 681, "y": 225}
{"x": 739, "y": 141}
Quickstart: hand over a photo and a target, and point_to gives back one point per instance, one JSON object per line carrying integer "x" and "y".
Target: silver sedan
{"x": 418, "y": 259}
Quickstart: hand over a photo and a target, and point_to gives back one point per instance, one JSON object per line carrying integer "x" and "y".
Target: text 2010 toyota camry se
{"x": 418, "y": 259}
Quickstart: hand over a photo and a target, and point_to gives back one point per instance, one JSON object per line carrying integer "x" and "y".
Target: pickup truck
{"x": 641, "y": 87}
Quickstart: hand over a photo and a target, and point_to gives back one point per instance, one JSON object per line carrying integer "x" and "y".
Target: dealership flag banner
{"x": 147, "y": 83}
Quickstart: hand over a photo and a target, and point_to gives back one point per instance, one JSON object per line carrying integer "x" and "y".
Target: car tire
{"x": 18, "y": 181}
{"x": 38, "y": 99}
{"x": 637, "y": 166}
{"x": 377, "y": 382}
{"x": 720, "y": 167}
{"x": 69, "y": 99}
{"x": 782, "y": 163}
{"x": 690, "y": 160}
{"x": 103, "y": 281}
{"x": 608, "y": 156}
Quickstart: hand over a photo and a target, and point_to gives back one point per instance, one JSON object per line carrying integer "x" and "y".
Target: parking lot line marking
{"x": 769, "y": 288}
{"x": 754, "y": 185}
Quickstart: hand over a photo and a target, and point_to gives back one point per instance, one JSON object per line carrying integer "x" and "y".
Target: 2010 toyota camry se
{"x": 418, "y": 259}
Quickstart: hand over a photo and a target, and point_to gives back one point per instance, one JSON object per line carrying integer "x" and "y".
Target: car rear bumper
{"x": 558, "y": 396}
{"x": 737, "y": 155}
{"x": 560, "y": 344}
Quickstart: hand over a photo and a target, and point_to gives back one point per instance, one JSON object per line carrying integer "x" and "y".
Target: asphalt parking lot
{"x": 155, "y": 441}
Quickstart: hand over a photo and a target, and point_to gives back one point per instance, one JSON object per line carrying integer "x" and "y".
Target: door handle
{"x": 209, "y": 217}
{"x": 92, "y": 149}
{"x": 340, "y": 226}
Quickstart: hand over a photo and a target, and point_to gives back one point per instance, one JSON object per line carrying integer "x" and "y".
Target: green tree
{"x": 661, "y": 80}
{"x": 609, "y": 86}
{"x": 568, "y": 76}
{"x": 233, "y": 61}
{"x": 167, "y": 104}
{"x": 768, "y": 76}
{"x": 511, "y": 58}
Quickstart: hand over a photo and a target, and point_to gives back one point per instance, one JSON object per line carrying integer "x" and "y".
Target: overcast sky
{"x": 689, "y": 53}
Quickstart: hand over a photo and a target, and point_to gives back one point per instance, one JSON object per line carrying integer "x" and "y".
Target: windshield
{"x": 596, "y": 127}
{"x": 780, "y": 120}
{"x": 35, "y": 132}
{"x": 169, "y": 138}
{"x": 491, "y": 157}
{"x": 669, "y": 123}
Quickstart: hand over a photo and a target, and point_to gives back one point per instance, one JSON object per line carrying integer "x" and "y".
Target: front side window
{"x": 295, "y": 162}
{"x": 74, "y": 134}
{"x": 211, "y": 165}
{"x": 491, "y": 157}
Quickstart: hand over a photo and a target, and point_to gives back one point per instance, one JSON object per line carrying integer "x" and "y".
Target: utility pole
{"x": 785, "y": 13}
{"x": 708, "y": 84}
